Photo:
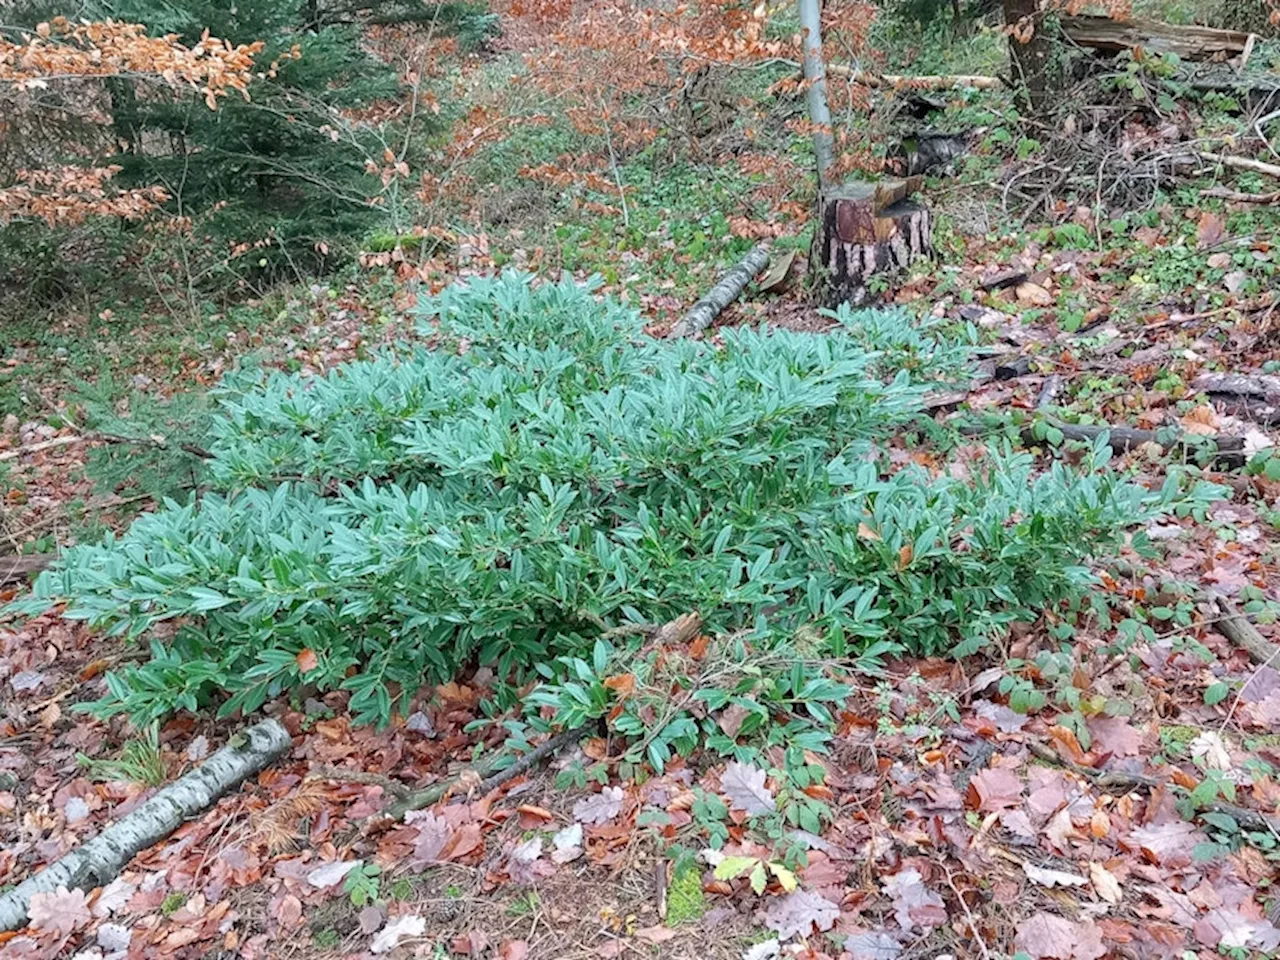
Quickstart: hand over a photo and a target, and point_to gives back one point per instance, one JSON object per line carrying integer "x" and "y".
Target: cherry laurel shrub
{"x": 547, "y": 472}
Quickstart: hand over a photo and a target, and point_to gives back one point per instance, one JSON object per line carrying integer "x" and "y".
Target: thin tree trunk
{"x": 815, "y": 73}
{"x": 96, "y": 862}
{"x": 1030, "y": 60}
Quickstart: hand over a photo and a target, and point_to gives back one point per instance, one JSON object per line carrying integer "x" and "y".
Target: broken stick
{"x": 99, "y": 860}
{"x": 723, "y": 293}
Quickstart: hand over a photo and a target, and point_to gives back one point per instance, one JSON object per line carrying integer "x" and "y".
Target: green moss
{"x": 685, "y": 900}
{"x": 326, "y": 939}
{"x": 173, "y": 903}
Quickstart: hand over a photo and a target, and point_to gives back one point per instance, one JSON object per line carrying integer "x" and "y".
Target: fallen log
{"x": 1241, "y": 163}
{"x": 1233, "y": 625}
{"x": 1229, "y": 455}
{"x": 97, "y": 861}
{"x": 1240, "y": 196}
{"x": 1241, "y": 384}
{"x": 16, "y": 568}
{"x": 484, "y": 776}
{"x": 907, "y": 82}
{"x": 866, "y": 230}
{"x": 723, "y": 293}
{"x": 1255, "y": 396}
{"x": 1189, "y": 42}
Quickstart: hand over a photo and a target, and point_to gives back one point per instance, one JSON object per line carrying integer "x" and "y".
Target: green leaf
{"x": 1215, "y": 693}
{"x": 731, "y": 868}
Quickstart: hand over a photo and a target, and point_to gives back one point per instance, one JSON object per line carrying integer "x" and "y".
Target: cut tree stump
{"x": 1188, "y": 42}
{"x": 867, "y": 230}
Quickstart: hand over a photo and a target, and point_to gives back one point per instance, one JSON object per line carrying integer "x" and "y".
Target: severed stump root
{"x": 865, "y": 231}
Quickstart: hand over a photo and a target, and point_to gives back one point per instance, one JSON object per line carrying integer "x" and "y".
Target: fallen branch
{"x": 15, "y": 568}
{"x": 924, "y": 82}
{"x": 1233, "y": 625}
{"x": 1230, "y": 453}
{"x": 65, "y": 441}
{"x": 487, "y": 770}
{"x": 1239, "y": 196}
{"x": 99, "y": 860}
{"x": 27, "y": 448}
{"x": 723, "y": 293}
{"x": 1126, "y": 782}
{"x": 1241, "y": 163}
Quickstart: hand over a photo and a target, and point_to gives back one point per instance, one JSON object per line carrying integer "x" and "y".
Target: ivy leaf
{"x": 744, "y": 785}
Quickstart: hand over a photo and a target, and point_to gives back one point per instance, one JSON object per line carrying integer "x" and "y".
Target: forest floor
{"x": 958, "y": 826}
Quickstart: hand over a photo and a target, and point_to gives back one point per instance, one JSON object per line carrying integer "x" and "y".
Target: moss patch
{"x": 685, "y": 899}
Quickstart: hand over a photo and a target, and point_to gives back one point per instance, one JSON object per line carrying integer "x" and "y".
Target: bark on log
{"x": 1233, "y": 625}
{"x": 1230, "y": 454}
{"x": 16, "y": 568}
{"x": 1242, "y": 163}
{"x": 866, "y": 230}
{"x": 1255, "y": 396}
{"x": 908, "y": 82}
{"x": 1262, "y": 385}
{"x": 1188, "y": 42}
{"x": 99, "y": 860}
{"x": 723, "y": 293}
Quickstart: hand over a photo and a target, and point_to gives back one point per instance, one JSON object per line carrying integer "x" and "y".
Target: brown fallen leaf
{"x": 1210, "y": 230}
{"x": 655, "y": 935}
{"x": 61, "y": 911}
{"x": 995, "y": 788}
{"x": 1031, "y": 294}
{"x": 1105, "y": 884}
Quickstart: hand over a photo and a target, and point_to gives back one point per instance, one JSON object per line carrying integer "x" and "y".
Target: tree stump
{"x": 866, "y": 230}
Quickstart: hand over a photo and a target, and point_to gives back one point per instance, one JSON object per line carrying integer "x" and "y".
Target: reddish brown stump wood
{"x": 866, "y": 230}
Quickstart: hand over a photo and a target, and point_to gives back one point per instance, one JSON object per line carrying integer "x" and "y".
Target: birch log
{"x": 98, "y": 861}
{"x": 723, "y": 293}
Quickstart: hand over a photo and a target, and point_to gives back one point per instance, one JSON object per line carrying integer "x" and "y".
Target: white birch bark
{"x": 723, "y": 293}
{"x": 97, "y": 861}
{"x": 815, "y": 73}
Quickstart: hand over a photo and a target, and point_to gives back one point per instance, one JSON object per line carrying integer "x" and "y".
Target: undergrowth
{"x": 547, "y": 473}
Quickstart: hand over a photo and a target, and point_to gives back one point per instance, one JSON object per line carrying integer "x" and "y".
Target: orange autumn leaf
{"x": 307, "y": 660}
{"x": 1068, "y": 744}
{"x": 905, "y": 555}
{"x": 623, "y": 684}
